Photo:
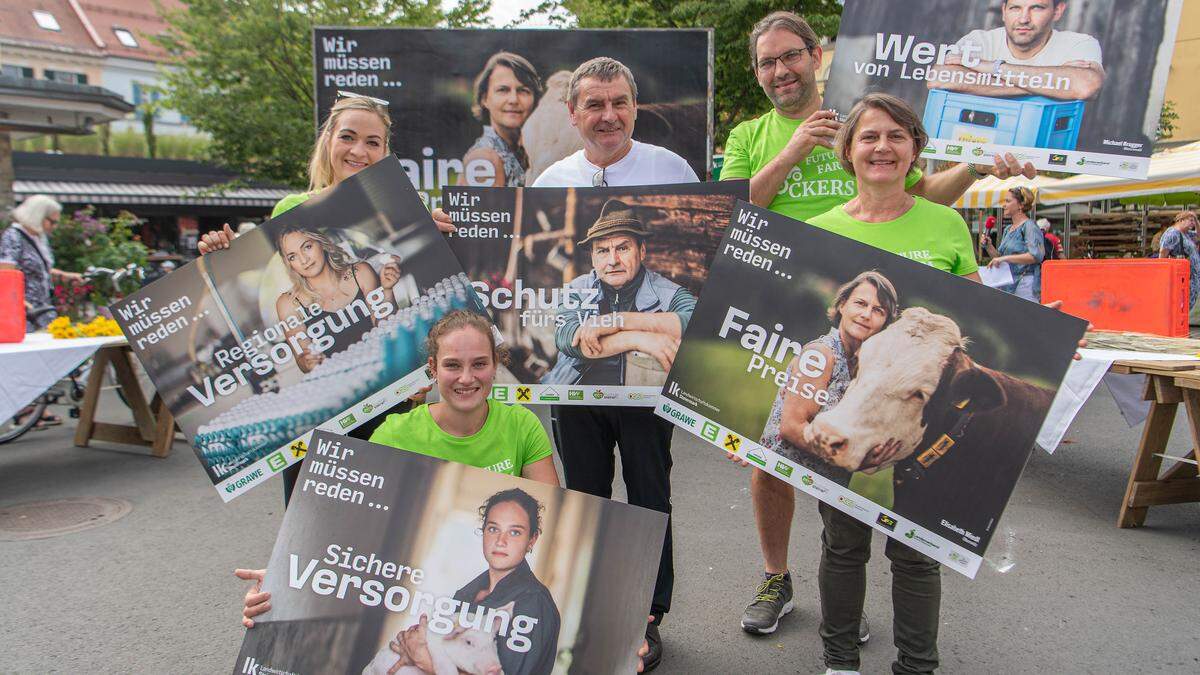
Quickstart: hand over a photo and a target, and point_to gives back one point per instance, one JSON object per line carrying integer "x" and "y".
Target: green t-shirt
{"x": 290, "y": 202}
{"x": 511, "y": 438}
{"x": 814, "y": 186}
{"x": 929, "y": 233}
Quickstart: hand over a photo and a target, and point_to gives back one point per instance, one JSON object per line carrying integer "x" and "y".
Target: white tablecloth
{"x": 31, "y": 367}
{"x": 1081, "y": 380}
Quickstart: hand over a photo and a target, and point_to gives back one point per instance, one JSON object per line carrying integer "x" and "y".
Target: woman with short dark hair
{"x": 506, "y": 92}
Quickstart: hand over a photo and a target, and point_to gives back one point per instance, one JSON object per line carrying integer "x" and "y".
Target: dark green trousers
{"x": 916, "y": 596}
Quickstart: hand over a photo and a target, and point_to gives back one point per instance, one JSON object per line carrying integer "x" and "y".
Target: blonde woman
{"x": 353, "y": 137}
{"x": 324, "y": 275}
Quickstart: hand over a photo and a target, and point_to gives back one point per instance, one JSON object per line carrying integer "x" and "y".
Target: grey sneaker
{"x": 864, "y": 631}
{"x": 772, "y": 601}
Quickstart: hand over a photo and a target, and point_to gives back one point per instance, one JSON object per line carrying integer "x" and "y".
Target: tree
{"x": 242, "y": 70}
{"x": 737, "y": 94}
{"x": 1167, "y": 120}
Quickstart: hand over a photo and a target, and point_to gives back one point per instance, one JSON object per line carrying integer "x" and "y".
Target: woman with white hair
{"x": 25, "y": 246}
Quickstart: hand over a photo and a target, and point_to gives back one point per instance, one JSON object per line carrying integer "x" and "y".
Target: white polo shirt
{"x": 644, "y": 165}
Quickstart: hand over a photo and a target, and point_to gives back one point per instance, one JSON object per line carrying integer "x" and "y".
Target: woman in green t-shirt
{"x": 465, "y": 426}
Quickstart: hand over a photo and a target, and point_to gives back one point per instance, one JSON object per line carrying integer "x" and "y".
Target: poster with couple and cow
{"x": 489, "y": 107}
{"x": 590, "y": 287}
{"x": 316, "y": 318}
{"x": 904, "y": 396}
{"x": 1073, "y": 87}
{"x": 390, "y": 562}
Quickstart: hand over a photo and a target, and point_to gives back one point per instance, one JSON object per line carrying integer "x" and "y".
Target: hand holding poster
{"x": 490, "y": 107}
{"x": 591, "y": 287}
{"x": 904, "y": 396}
{"x": 389, "y": 561}
{"x": 1069, "y": 86}
{"x": 316, "y": 318}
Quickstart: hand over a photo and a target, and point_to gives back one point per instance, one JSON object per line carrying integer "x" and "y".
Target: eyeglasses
{"x": 789, "y": 58}
{"x": 350, "y": 94}
{"x": 598, "y": 178}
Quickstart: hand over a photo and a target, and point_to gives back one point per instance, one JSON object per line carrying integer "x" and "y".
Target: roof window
{"x": 46, "y": 20}
{"x": 126, "y": 37}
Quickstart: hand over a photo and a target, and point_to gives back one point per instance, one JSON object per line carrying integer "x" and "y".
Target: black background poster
{"x": 250, "y": 356}
{"x": 379, "y": 542}
{"x": 428, "y": 76}
{"x": 957, "y": 359}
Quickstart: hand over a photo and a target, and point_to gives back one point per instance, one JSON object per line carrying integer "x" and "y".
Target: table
{"x": 1169, "y": 384}
{"x": 39, "y": 362}
{"x": 154, "y": 425}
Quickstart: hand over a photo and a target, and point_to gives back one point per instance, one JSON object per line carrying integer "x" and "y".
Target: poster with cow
{"x": 394, "y": 562}
{"x": 591, "y": 287}
{"x": 488, "y": 107}
{"x": 316, "y": 318}
{"x": 904, "y": 396}
{"x": 1073, "y": 87}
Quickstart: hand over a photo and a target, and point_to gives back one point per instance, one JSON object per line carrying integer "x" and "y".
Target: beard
{"x": 796, "y": 99}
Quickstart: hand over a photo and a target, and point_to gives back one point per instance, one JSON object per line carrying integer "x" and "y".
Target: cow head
{"x": 910, "y": 375}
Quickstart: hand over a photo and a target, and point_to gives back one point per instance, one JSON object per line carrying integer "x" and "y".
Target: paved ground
{"x": 154, "y": 593}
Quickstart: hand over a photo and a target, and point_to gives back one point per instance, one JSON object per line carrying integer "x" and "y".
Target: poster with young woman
{"x": 490, "y": 107}
{"x": 1074, "y": 86}
{"x": 904, "y": 396}
{"x": 591, "y": 287}
{"x": 316, "y": 318}
{"x": 394, "y": 562}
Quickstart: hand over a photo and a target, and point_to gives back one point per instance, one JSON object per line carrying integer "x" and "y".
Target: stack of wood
{"x": 1125, "y": 234}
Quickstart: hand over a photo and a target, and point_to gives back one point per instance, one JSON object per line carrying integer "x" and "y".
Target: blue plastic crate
{"x": 1026, "y": 121}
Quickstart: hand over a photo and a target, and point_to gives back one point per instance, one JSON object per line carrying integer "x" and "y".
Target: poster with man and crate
{"x": 1073, "y": 86}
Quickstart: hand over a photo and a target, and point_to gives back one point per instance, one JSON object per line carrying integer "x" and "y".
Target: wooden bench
{"x": 1169, "y": 384}
{"x": 154, "y": 425}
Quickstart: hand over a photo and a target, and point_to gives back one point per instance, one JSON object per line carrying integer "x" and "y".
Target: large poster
{"x": 904, "y": 396}
{"x": 591, "y": 287}
{"x": 316, "y": 318}
{"x": 466, "y": 112}
{"x": 1074, "y": 86}
{"x": 393, "y": 562}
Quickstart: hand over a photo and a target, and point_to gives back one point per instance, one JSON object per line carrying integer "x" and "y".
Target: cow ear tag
{"x": 963, "y": 403}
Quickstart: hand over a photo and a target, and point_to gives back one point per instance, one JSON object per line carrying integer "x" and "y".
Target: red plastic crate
{"x": 1145, "y": 295}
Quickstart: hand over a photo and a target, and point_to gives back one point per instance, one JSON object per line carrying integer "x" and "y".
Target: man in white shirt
{"x": 602, "y": 102}
{"x": 1028, "y": 56}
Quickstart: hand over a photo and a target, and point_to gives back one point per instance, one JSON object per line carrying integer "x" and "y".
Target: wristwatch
{"x": 996, "y": 66}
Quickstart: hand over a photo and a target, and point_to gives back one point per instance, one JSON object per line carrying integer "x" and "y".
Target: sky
{"x": 503, "y": 12}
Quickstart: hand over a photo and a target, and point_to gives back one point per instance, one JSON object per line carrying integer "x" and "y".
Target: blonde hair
{"x": 34, "y": 211}
{"x": 895, "y": 108}
{"x": 335, "y": 257}
{"x": 320, "y": 164}
{"x": 1182, "y": 216}
{"x": 461, "y": 318}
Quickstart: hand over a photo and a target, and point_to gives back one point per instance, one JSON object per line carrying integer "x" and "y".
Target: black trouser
{"x": 842, "y": 578}
{"x": 361, "y": 432}
{"x": 585, "y": 436}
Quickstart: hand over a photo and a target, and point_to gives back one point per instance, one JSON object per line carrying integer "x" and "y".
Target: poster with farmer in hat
{"x": 592, "y": 288}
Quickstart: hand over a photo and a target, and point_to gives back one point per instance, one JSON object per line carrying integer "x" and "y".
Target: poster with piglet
{"x": 392, "y": 562}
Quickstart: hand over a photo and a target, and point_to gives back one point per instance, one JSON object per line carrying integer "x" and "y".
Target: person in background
{"x": 1176, "y": 243}
{"x": 1020, "y": 246}
{"x": 25, "y": 246}
{"x": 1054, "y": 251}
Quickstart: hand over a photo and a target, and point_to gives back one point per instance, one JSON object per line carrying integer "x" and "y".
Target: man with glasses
{"x": 787, "y": 155}
{"x": 602, "y": 103}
